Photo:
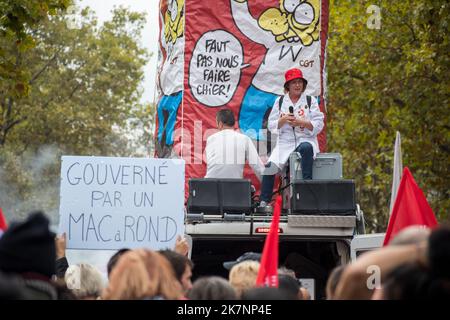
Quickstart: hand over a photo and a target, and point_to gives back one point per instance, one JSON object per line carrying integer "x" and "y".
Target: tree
{"x": 389, "y": 79}
{"x": 84, "y": 81}
{"x": 84, "y": 99}
{"x": 17, "y": 19}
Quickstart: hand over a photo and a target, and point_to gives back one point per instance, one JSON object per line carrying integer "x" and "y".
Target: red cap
{"x": 292, "y": 74}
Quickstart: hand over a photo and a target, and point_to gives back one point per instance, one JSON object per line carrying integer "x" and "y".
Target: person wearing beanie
{"x": 27, "y": 249}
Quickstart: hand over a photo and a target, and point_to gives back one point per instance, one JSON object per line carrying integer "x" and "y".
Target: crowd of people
{"x": 415, "y": 264}
{"x": 33, "y": 265}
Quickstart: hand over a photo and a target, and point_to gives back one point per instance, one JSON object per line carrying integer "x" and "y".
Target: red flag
{"x": 268, "y": 270}
{"x": 410, "y": 208}
{"x": 3, "y": 224}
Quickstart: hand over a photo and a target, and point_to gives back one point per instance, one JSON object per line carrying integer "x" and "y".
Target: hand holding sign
{"x": 60, "y": 244}
{"x": 181, "y": 246}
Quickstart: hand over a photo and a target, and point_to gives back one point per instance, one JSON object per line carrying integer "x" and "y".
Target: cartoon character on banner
{"x": 290, "y": 33}
{"x": 170, "y": 75}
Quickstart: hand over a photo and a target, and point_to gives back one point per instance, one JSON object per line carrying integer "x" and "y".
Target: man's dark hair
{"x": 439, "y": 252}
{"x": 288, "y": 283}
{"x": 178, "y": 262}
{"x": 413, "y": 281}
{"x": 212, "y": 288}
{"x": 113, "y": 260}
{"x": 226, "y": 116}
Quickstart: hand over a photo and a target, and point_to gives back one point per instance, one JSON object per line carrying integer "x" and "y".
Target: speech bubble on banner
{"x": 215, "y": 68}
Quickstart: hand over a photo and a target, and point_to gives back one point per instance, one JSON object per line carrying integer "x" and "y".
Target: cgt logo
{"x": 306, "y": 63}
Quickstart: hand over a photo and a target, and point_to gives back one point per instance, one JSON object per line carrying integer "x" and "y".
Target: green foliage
{"x": 19, "y": 15}
{"x": 380, "y": 81}
{"x": 17, "y": 20}
{"x": 84, "y": 99}
{"x": 84, "y": 81}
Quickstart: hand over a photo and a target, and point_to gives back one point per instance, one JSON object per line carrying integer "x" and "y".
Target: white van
{"x": 365, "y": 242}
{"x": 311, "y": 245}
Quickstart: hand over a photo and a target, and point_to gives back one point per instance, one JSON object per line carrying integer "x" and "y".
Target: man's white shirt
{"x": 227, "y": 151}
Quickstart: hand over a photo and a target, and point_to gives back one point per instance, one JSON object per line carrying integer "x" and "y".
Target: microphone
{"x": 291, "y": 111}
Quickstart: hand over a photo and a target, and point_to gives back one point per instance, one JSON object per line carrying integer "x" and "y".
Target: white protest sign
{"x": 112, "y": 203}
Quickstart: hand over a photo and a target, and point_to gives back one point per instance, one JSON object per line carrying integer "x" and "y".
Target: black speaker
{"x": 204, "y": 196}
{"x": 323, "y": 197}
{"x": 236, "y": 195}
{"x": 218, "y": 196}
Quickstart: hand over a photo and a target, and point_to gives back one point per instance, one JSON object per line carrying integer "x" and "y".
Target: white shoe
{"x": 263, "y": 204}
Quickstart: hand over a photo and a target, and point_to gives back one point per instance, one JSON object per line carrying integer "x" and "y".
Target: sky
{"x": 149, "y": 33}
{"x": 150, "y": 40}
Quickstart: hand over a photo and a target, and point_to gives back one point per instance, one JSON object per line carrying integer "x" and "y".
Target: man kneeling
{"x": 227, "y": 151}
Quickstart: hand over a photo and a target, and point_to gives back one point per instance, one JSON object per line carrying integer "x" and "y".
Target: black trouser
{"x": 306, "y": 151}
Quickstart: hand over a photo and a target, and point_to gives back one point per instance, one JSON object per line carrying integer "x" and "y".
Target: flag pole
{"x": 397, "y": 170}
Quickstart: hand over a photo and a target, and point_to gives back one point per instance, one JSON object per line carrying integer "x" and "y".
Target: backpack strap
{"x": 280, "y": 102}
{"x": 308, "y": 101}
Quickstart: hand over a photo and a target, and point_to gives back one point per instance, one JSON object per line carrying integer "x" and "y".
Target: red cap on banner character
{"x": 292, "y": 74}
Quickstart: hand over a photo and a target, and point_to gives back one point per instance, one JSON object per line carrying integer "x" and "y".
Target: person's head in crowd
{"x": 411, "y": 235}
{"x": 142, "y": 274}
{"x": 268, "y": 293}
{"x": 422, "y": 279}
{"x": 303, "y": 293}
{"x": 85, "y": 281}
{"x": 286, "y": 271}
{"x": 243, "y": 276}
{"x": 225, "y": 119}
{"x": 290, "y": 284}
{"x": 182, "y": 266}
{"x": 247, "y": 256}
{"x": 439, "y": 252}
{"x": 114, "y": 258}
{"x": 28, "y": 248}
{"x": 414, "y": 281}
{"x": 212, "y": 288}
{"x": 333, "y": 280}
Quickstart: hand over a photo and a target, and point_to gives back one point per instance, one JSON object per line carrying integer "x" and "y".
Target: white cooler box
{"x": 326, "y": 166}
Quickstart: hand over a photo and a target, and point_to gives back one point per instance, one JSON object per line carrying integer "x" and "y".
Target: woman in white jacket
{"x": 297, "y": 120}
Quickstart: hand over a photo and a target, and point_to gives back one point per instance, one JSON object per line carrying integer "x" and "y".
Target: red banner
{"x": 3, "y": 224}
{"x": 234, "y": 54}
{"x": 268, "y": 270}
{"x": 411, "y": 208}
